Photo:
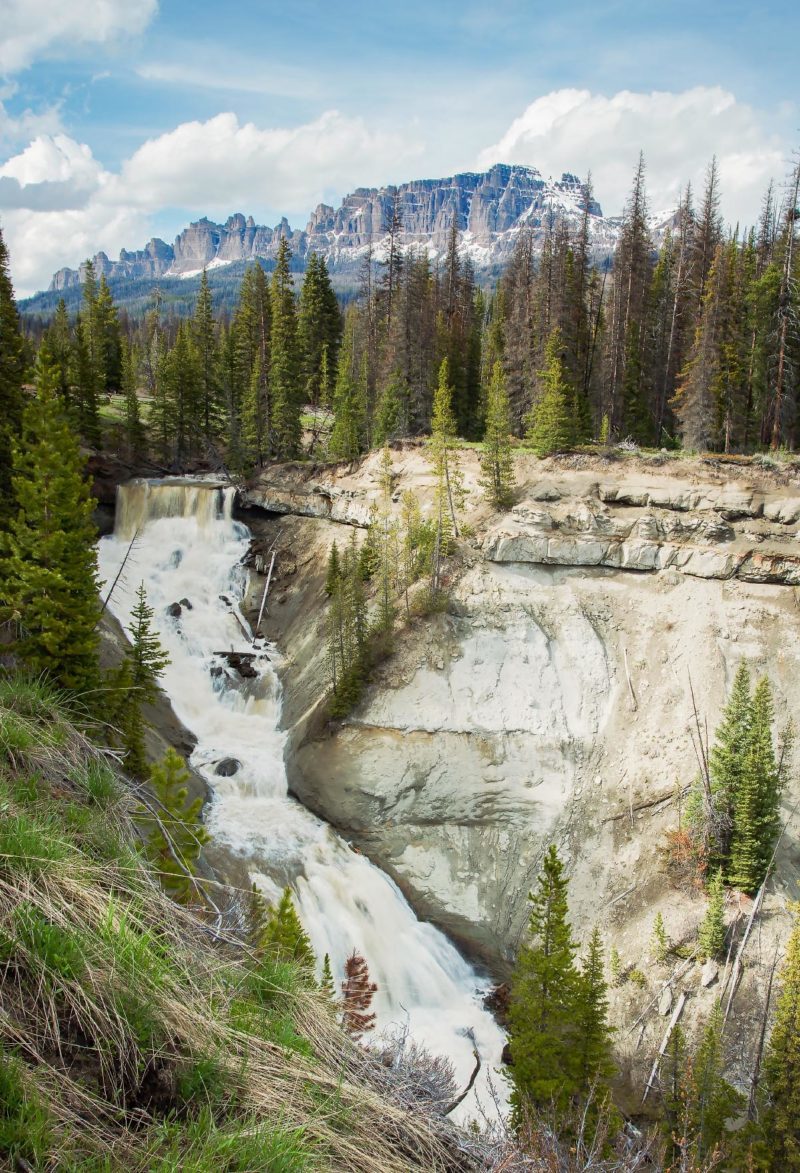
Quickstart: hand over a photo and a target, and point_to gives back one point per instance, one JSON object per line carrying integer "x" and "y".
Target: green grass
{"x": 131, "y": 1037}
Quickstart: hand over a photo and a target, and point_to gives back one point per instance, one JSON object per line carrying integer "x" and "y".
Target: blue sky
{"x": 126, "y": 118}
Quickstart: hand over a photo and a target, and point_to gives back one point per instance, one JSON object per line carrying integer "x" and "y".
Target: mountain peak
{"x": 489, "y": 209}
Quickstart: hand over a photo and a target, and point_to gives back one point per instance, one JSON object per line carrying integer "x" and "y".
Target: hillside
{"x": 139, "y": 1034}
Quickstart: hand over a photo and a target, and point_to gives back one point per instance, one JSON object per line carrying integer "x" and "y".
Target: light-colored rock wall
{"x": 553, "y": 700}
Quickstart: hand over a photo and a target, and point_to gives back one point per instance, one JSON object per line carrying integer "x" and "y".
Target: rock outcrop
{"x": 552, "y": 700}
{"x": 489, "y": 210}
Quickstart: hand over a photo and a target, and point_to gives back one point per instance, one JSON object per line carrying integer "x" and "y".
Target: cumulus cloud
{"x": 59, "y": 204}
{"x": 223, "y": 162}
{"x": 575, "y": 129}
{"x": 35, "y": 28}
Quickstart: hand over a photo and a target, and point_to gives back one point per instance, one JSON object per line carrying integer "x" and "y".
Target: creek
{"x": 188, "y": 550}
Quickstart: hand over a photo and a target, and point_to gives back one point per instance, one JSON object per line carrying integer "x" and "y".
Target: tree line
{"x": 692, "y": 341}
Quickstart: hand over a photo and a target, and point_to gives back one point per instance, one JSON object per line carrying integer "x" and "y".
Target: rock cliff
{"x": 552, "y": 700}
{"x": 489, "y": 210}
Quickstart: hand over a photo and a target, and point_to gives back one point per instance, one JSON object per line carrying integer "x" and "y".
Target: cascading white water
{"x": 187, "y": 547}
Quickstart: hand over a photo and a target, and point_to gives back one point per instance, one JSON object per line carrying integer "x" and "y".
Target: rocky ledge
{"x": 706, "y": 531}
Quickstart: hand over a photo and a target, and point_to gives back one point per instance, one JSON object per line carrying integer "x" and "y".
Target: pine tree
{"x": 174, "y": 833}
{"x": 497, "y": 462}
{"x": 59, "y": 342}
{"x": 727, "y": 761}
{"x": 209, "y": 390}
{"x": 756, "y": 820}
{"x": 333, "y": 573}
{"x": 137, "y": 682}
{"x": 595, "y": 1064}
{"x": 12, "y": 373}
{"x": 349, "y": 402}
{"x": 284, "y": 369}
{"x": 326, "y": 983}
{"x": 551, "y": 424}
{"x": 387, "y": 548}
{"x": 712, "y": 1101}
{"x": 319, "y": 329}
{"x": 83, "y": 378}
{"x": 357, "y": 994}
{"x": 391, "y": 415}
{"x": 782, "y": 1063}
{"x": 659, "y": 943}
{"x": 711, "y": 936}
{"x": 105, "y": 334}
{"x": 179, "y": 375}
{"x": 449, "y": 491}
{"x": 615, "y": 966}
{"x": 51, "y": 565}
{"x": 542, "y": 1026}
{"x": 135, "y": 434}
{"x": 284, "y": 937}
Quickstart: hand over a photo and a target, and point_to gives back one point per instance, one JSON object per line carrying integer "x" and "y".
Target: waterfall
{"x": 188, "y": 550}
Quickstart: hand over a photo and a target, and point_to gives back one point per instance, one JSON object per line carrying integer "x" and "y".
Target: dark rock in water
{"x": 227, "y": 767}
{"x": 176, "y": 559}
{"x": 175, "y": 610}
{"x": 497, "y": 1002}
{"x": 185, "y": 603}
{"x": 224, "y": 599}
{"x": 241, "y": 662}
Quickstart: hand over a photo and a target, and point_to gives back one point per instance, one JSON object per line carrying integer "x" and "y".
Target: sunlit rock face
{"x": 488, "y": 209}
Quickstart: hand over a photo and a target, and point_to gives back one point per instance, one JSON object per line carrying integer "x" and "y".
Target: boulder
{"x": 227, "y": 767}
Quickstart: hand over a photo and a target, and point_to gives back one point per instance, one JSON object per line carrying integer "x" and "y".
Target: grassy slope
{"x": 131, "y": 1035}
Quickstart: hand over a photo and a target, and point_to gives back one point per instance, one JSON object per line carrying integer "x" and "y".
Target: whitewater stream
{"x": 188, "y": 547}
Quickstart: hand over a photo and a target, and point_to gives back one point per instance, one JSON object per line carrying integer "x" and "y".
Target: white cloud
{"x": 59, "y": 204}
{"x": 35, "y": 28}
{"x": 679, "y": 132}
{"x": 222, "y": 163}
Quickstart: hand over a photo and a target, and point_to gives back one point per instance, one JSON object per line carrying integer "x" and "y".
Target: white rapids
{"x": 189, "y": 547}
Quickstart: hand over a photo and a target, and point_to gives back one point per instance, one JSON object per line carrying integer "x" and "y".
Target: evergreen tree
{"x": 595, "y": 1065}
{"x": 326, "y": 984}
{"x": 392, "y": 412}
{"x": 387, "y": 548}
{"x": 782, "y": 1063}
{"x": 59, "y": 342}
{"x": 205, "y": 343}
{"x": 319, "y": 329}
{"x": 551, "y": 425}
{"x": 12, "y": 373}
{"x": 659, "y": 943}
{"x": 756, "y": 820}
{"x": 357, "y": 994}
{"x": 284, "y": 369}
{"x": 284, "y": 937}
{"x": 51, "y": 565}
{"x": 542, "y": 1033}
{"x": 727, "y": 761}
{"x": 83, "y": 378}
{"x": 497, "y": 462}
{"x": 349, "y": 402}
{"x": 179, "y": 376}
{"x": 145, "y": 661}
{"x": 711, "y": 937}
{"x": 105, "y": 334}
{"x": 334, "y": 571}
{"x": 174, "y": 833}
{"x": 135, "y": 435}
{"x": 711, "y": 1099}
{"x": 449, "y": 491}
